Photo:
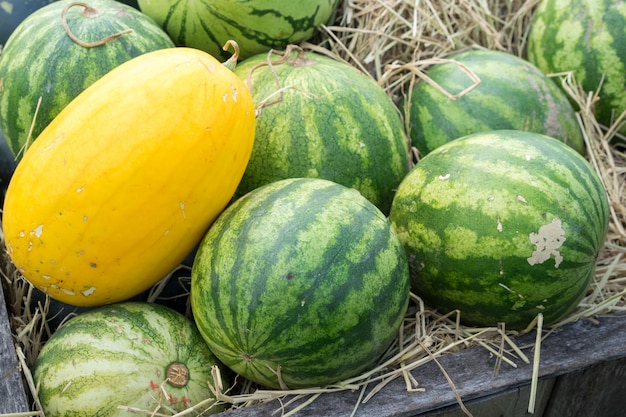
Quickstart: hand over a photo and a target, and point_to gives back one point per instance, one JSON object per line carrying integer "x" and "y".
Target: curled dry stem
{"x": 88, "y": 11}
{"x": 231, "y": 63}
{"x": 284, "y": 57}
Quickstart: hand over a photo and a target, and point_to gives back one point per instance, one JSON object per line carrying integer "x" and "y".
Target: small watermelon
{"x": 256, "y": 25}
{"x": 512, "y": 94}
{"x": 321, "y": 118}
{"x": 41, "y": 61}
{"x": 133, "y": 354}
{"x": 300, "y": 283}
{"x": 502, "y": 225}
{"x": 588, "y": 38}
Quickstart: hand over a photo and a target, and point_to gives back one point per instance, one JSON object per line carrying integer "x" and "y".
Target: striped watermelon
{"x": 303, "y": 277}
{"x": 588, "y": 38}
{"x": 41, "y": 61}
{"x": 502, "y": 225}
{"x": 330, "y": 122}
{"x": 256, "y": 25}
{"x": 512, "y": 94}
{"x": 132, "y": 354}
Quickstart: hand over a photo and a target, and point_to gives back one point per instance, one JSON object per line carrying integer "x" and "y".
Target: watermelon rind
{"x": 502, "y": 226}
{"x": 511, "y": 94}
{"x": 256, "y": 25}
{"x": 41, "y": 62}
{"x": 321, "y": 118}
{"x": 112, "y": 360}
{"x": 302, "y": 278}
{"x": 586, "y": 38}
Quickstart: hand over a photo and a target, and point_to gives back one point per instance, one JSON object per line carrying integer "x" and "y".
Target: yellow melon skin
{"x": 126, "y": 180}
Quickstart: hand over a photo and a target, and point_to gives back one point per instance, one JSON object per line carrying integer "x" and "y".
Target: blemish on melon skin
{"x": 88, "y": 291}
{"x": 51, "y": 145}
{"x": 67, "y": 292}
{"x": 37, "y": 231}
{"x": 548, "y": 239}
{"x": 234, "y": 93}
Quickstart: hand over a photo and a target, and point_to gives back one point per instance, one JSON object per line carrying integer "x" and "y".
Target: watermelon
{"x": 256, "y": 25}
{"x": 586, "y": 37}
{"x": 132, "y": 354}
{"x": 321, "y": 118}
{"x": 302, "y": 278}
{"x": 40, "y": 60}
{"x": 512, "y": 94}
{"x": 502, "y": 225}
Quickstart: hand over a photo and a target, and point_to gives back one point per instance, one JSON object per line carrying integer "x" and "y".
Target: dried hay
{"x": 394, "y": 41}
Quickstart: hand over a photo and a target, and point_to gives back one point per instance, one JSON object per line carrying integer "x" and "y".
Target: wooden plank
{"x": 595, "y": 391}
{"x": 12, "y": 393}
{"x": 513, "y": 403}
{"x": 572, "y": 347}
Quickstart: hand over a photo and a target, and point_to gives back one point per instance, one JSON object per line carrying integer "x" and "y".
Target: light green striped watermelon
{"x": 256, "y": 25}
{"x": 302, "y": 278}
{"x": 512, "y": 94}
{"x": 588, "y": 38}
{"x": 133, "y": 354}
{"x": 40, "y": 60}
{"x": 321, "y": 118}
{"x": 502, "y": 225}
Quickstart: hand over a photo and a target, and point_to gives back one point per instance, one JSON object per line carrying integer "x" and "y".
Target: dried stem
{"x": 89, "y": 11}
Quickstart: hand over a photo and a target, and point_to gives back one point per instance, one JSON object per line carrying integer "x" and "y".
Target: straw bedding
{"x": 395, "y": 41}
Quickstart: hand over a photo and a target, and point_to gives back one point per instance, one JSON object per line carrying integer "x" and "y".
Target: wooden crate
{"x": 582, "y": 372}
{"x": 13, "y": 398}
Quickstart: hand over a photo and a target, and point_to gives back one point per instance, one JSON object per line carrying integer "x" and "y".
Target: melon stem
{"x": 177, "y": 374}
{"x": 89, "y": 12}
{"x": 231, "y": 63}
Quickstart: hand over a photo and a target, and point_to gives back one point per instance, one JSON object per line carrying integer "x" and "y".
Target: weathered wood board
{"x": 12, "y": 393}
{"x": 582, "y": 373}
{"x": 571, "y": 352}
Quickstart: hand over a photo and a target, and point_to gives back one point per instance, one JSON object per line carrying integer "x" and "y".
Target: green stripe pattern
{"x": 324, "y": 119}
{"x": 118, "y": 355}
{"x": 304, "y": 277}
{"x": 512, "y": 94}
{"x": 502, "y": 225}
{"x": 256, "y": 25}
{"x": 41, "y": 61}
{"x": 588, "y": 38}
